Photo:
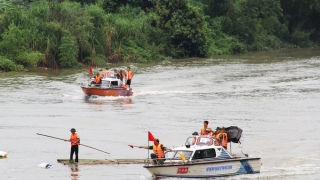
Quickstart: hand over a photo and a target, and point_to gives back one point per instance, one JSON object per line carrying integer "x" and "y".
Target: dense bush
{"x": 7, "y": 64}
{"x": 97, "y": 32}
{"x": 29, "y": 59}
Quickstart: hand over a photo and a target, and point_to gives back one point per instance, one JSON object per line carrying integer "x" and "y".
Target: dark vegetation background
{"x": 63, "y": 34}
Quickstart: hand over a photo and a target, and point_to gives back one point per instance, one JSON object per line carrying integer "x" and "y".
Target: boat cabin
{"x": 108, "y": 82}
{"x": 199, "y": 148}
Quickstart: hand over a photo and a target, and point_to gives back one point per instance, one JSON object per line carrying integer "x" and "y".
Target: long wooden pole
{"x": 53, "y": 137}
{"x": 69, "y": 141}
{"x": 94, "y": 148}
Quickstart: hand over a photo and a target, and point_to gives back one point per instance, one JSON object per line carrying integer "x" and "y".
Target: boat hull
{"x": 218, "y": 168}
{"x": 106, "y": 91}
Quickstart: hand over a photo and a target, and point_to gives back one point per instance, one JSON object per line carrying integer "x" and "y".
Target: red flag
{"x": 150, "y": 136}
{"x": 90, "y": 70}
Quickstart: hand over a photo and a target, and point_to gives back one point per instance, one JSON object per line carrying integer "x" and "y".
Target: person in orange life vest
{"x": 158, "y": 150}
{"x": 75, "y": 142}
{"x": 205, "y": 126}
{"x": 129, "y": 76}
{"x": 127, "y": 88}
{"x": 222, "y": 136}
{"x": 223, "y": 139}
{"x": 97, "y": 79}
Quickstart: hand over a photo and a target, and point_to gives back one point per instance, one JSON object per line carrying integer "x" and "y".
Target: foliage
{"x": 30, "y": 59}
{"x": 301, "y": 38}
{"x": 13, "y": 41}
{"x": 7, "y": 64}
{"x": 97, "y": 32}
{"x": 134, "y": 36}
{"x": 188, "y": 33}
{"x": 68, "y": 51}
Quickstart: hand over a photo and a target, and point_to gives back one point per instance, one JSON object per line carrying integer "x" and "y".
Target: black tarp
{"x": 234, "y": 134}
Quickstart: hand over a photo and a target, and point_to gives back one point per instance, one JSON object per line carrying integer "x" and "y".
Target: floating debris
{"x": 45, "y": 165}
{"x": 3, "y": 154}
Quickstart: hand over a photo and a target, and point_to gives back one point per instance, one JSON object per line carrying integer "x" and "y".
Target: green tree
{"x": 7, "y": 64}
{"x": 13, "y": 42}
{"x": 30, "y": 59}
{"x": 68, "y": 50}
{"x": 303, "y": 22}
{"x": 255, "y": 23}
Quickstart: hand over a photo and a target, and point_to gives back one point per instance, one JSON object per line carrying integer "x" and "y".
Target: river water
{"x": 273, "y": 96}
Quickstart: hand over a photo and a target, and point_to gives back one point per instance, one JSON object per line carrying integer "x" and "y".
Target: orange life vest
{"x": 158, "y": 151}
{"x": 129, "y": 75}
{"x": 97, "y": 79}
{"x": 203, "y": 131}
{"x": 223, "y": 138}
{"x": 75, "y": 140}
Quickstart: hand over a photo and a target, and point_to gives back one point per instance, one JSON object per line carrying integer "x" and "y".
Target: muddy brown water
{"x": 273, "y": 96}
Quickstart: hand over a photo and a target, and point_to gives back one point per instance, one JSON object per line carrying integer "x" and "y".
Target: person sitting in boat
{"x": 222, "y": 136}
{"x": 116, "y": 74}
{"x": 158, "y": 150}
{"x": 205, "y": 126}
{"x": 209, "y": 132}
{"x": 194, "y": 134}
{"x": 101, "y": 73}
{"x": 97, "y": 79}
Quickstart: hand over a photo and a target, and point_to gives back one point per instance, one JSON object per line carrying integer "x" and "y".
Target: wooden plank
{"x": 103, "y": 161}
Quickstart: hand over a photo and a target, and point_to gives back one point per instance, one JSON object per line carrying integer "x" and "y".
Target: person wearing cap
{"x": 206, "y": 130}
{"x": 75, "y": 142}
{"x": 158, "y": 150}
{"x": 101, "y": 73}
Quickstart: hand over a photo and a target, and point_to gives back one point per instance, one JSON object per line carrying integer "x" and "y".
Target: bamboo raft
{"x": 112, "y": 161}
{"x": 102, "y": 161}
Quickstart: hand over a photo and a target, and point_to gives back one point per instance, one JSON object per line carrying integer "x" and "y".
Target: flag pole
{"x": 148, "y": 147}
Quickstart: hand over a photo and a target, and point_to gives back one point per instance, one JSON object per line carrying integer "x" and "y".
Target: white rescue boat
{"x": 204, "y": 157}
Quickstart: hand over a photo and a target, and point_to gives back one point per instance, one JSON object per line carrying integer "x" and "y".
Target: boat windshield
{"x": 115, "y": 83}
{"x": 204, "y": 153}
{"x": 201, "y": 140}
{"x": 176, "y": 154}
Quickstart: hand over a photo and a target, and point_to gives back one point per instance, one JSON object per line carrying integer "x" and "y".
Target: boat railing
{"x": 175, "y": 161}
